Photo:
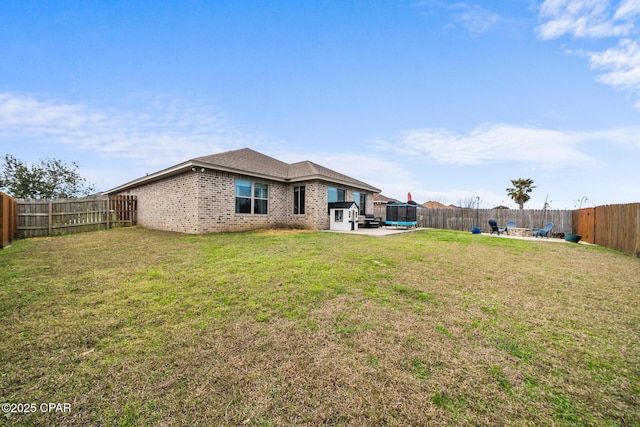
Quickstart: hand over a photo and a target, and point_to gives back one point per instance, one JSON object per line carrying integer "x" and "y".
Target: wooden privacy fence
{"x": 613, "y": 226}
{"x": 36, "y": 218}
{"x": 463, "y": 219}
{"x": 7, "y": 220}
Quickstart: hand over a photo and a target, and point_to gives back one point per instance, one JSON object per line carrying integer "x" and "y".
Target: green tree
{"x": 520, "y": 190}
{"x": 48, "y": 179}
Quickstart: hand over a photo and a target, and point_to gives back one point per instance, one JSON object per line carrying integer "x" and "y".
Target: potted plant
{"x": 574, "y": 238}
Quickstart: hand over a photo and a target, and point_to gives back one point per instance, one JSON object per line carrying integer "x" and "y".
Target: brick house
{"x": 242, "y": 190}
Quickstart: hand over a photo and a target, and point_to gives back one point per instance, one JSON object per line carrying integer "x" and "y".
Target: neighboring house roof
{"x": 436, "y": 205}
{"x": 379, "y": 198}
{"x": 249, "y": 162}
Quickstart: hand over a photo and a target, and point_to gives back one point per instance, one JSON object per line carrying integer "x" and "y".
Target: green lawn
{"x": 134, "y": 327}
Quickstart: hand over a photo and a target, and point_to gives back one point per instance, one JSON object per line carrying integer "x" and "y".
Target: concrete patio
{"x": 390, "y": 231}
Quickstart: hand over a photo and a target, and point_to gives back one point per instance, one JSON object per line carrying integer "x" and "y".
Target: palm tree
{"x": 520, "y": 190}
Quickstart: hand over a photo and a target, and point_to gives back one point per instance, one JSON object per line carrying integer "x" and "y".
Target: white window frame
{"x": 253, "y": 196}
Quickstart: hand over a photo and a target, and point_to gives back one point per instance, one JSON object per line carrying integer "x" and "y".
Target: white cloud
{"x": 163, "y": 129}
{"x": 368, "y": 168}
{"x": 626, "y": 137}
{"x": 620, "y": 65}
{"x": 24, "y": 117}
{"x": 628, "y": 9}
{"x": 494, "y": 143}
{"x": 585, "y": 18}
{"x": 475, "y": 18}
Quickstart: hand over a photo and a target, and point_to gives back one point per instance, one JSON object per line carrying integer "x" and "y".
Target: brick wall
{"x": 204, "y": 202}
{"x": 316, "y": 216}
{"x": 169, "y": 204}
{"x": 217, "y": 208}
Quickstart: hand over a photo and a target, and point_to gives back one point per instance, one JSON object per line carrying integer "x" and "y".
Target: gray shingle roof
{"x": 249, "y": 162}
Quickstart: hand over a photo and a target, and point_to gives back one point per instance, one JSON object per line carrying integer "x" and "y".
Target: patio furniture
{"x": 494, "y": 227}
{"x": 543, "y": 232}
{"x": 510, "y": 224}
{"x": 372, "y": 222}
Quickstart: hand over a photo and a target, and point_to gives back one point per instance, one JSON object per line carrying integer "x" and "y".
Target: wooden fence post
{"x": 14, "y": 218}
{"x": 50, "y": 217}
{"x": 107, "y": 204}
{"x": 593, "y": 230}
{"x": 8, "y": 220}
{"x": 637, "y": 250}
{"x": 4, "y": 226}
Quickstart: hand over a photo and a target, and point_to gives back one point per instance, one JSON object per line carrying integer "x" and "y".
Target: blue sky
{"x": 446, "y": 100}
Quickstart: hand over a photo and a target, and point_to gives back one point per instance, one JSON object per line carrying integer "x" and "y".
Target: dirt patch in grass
{"x": 287, "y": 327}
{"x": 282, "y": 231}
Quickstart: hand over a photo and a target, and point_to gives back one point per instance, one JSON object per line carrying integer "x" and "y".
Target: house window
{"x": 298, "y": 200}
{"x": 243, "y": 196}
{"x": 361, "y": 201}
{"x": 336, "y": 194}
{"x": 339, "y": 216}
{"x": 260, "y": 198}
{"x": 251, "y": 197}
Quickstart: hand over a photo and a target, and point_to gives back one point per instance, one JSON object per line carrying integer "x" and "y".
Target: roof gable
{"x": 308, "y": 170}
{"x": 247, "y": 160}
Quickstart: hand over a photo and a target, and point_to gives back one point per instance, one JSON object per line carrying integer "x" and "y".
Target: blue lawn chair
{"x": 543, "y": 232}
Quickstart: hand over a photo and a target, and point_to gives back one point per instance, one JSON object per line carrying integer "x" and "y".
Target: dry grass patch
{"x": 138, "y": 327}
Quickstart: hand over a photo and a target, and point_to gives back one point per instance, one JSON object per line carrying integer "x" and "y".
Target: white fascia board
{"x": 330, "y": 180}
{"x": 184, "y": 167}
{"x": 164, "y": 173}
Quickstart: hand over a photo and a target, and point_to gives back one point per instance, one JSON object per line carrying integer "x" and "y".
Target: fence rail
{"x": 463, "y": 219}
{"x": 37, "y": 218}
{"x": 7, "y": 220}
